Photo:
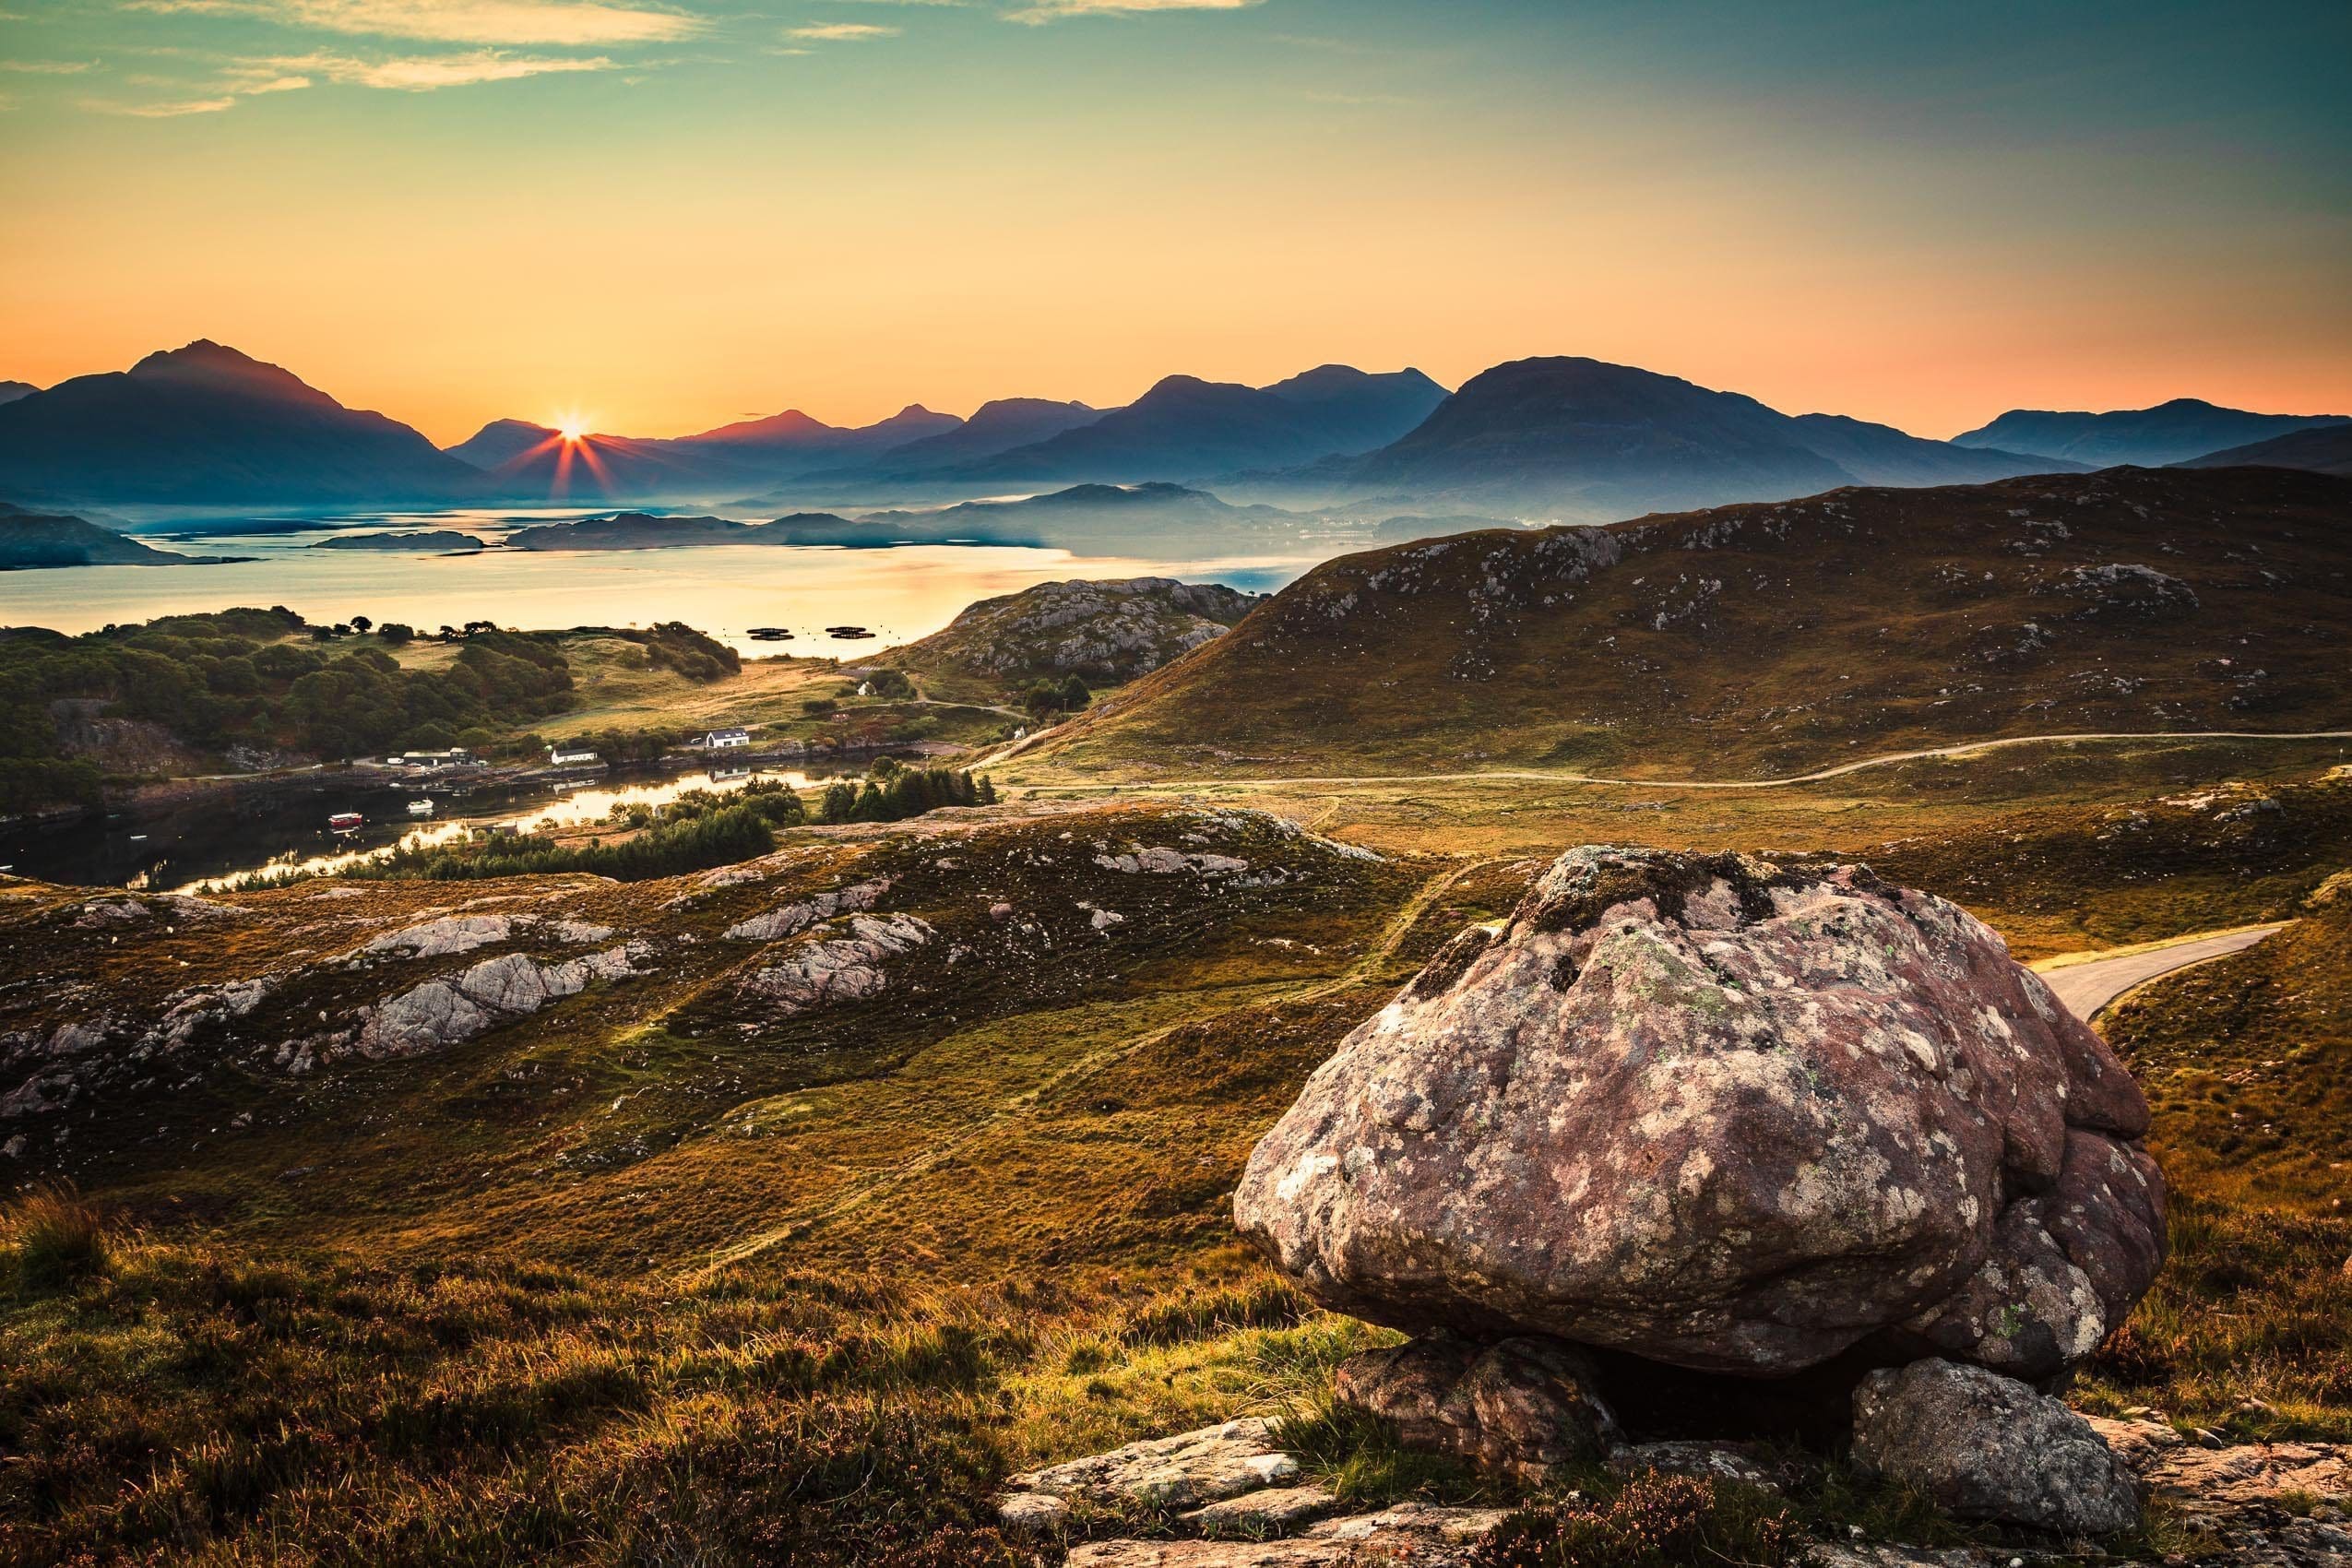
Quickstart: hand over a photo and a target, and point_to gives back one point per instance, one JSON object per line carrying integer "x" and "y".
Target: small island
{"x": 32, "y": 539}
{"x": 429, "y": 542}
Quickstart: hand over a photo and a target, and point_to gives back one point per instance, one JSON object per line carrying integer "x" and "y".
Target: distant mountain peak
{"x": 208, "y": 364}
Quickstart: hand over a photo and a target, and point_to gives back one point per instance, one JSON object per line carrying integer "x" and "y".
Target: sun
{"x": 572, "y": 428}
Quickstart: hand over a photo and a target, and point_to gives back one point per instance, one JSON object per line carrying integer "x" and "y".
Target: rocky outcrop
{"x": 838, "y": 964}
{"x": 1727, "y": 1115}
{"x": 1985, "y": 1447}
{"x": 1103, "y": 631}
{"x": 792, "y": 919}
{"x": 443, "y": 1013}
{"x": 441, "y": 937}
{"x": 1519, "y": 1407}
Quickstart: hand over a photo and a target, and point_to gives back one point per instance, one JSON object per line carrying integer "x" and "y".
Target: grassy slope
{"x": 2245, "y": 1059}
{"x": 1769, "y": 639}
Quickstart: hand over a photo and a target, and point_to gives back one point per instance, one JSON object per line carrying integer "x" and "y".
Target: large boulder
{"x": 1724, "y": 1114}
{"x": 1986, "y": 1446}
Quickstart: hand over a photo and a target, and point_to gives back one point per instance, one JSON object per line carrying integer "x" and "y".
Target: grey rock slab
{"x": 1182, "y": 1471}
{"x": 1985, "y": 1447}
{"x": 1275, "y": 1510}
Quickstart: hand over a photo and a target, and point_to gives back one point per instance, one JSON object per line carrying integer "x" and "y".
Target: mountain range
{"x": 1555, "y": 438}
{"x": 2323, "y": 449}
{"x": 1585, "y": 440}
{"x": 2151, "y": 438}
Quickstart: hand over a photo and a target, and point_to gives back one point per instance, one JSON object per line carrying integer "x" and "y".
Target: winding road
{"x": 2090, "y": 985}
{"x": 1561, "y": 776}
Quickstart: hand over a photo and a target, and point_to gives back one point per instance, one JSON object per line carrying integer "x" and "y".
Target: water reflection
{"x": 280, "y": 828}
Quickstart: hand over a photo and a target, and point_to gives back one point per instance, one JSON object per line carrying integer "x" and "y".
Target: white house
{"x": 726, "y": 740}
{"x": 565, "y": 756}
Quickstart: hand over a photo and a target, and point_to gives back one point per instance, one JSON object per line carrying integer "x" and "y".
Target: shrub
{"x": 1653, "y": 1521}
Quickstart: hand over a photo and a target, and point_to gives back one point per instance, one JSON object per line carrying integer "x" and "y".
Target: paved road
{"x": 1559, "y": 776}
{"x": 2085, "y": 988}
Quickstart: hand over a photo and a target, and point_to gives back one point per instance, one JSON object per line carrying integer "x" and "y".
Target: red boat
{"x": 343, "y": 821}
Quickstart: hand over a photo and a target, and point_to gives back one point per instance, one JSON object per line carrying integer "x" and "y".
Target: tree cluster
{"x": 240, "y": 676}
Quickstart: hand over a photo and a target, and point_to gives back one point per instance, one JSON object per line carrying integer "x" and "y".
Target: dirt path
{"x": 2088, "y": 986}
{"x": 1552, "y": 775}
{"x": 880, "y": 1183}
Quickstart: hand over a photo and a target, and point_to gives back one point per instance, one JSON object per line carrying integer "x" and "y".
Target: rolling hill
{"x": 1588, "y": 441}
{"x": 2168, "y": 433}
{"x": 12, "y": 390}
{"x": 205, "y": 424}
{"x": 1771, "y": 638}
{"x": 2321, "y": 449}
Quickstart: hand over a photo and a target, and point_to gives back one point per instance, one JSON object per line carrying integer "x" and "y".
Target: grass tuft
{"x": 58, "y": 1240}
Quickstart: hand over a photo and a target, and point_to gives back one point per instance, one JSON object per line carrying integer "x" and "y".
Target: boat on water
{"x": 421, "y": 808}
{"x": 344, "y": 822}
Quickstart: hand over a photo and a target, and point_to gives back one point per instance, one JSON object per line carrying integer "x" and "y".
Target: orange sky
{"x": 726, "y": 217}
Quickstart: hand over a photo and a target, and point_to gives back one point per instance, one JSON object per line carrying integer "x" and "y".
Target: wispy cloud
{"x": 415, "y": 73}
{"x": 1037, "y": 12}
{"x": 49, "y": 67}
{"x": 166, "y": 111}
{"x": 841, "y": 32}
{"x": 574, "y": 22}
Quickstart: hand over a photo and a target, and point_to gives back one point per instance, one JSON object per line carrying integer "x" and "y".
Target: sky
{"x": 663, "y": 215}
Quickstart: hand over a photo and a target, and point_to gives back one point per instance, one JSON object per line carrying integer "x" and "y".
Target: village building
{"x": 562, "y": 755}
{"x": 726, "y": 740}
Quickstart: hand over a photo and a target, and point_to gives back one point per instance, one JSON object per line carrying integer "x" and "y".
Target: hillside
{"x": 1773, "y": 638}
{"x": 1102, "y": 632}
{"x": 2325, "y": 449}
{"x": 1184, "y": 428}
{"x": 1588, "y": 441}
{"x": 32, "y": 540}
{"x": 2168, "y": 433}
{"x": 12, "y": 390}
{"x": 205, "y": 424}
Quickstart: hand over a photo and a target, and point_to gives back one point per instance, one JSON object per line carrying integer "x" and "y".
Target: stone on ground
{"x": 1985, "y": 1447}
{"x": 1184, "y": 1472}
{"x": 1520, "y": 1406}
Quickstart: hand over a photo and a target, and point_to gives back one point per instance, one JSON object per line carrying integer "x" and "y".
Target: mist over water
{"x": 899, "y": 593}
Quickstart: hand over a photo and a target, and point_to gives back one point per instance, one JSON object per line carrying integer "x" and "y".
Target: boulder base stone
{"x": 1725, "y": 1115}
{"x": 1520, "y": 1406}
{"x": 1985, "y": 1447}
{"x": 1184, "y": 1472}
